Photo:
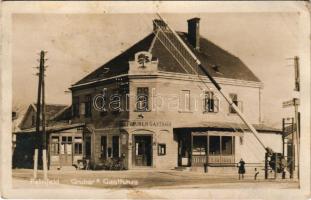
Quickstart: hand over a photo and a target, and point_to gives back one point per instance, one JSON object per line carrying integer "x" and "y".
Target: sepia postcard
{"x": 155, "y": 100}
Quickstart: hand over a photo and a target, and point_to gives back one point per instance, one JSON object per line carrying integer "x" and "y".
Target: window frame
{"x": 182, "y": 108}
{"x": 160, "y": 146}
{"x": 53, "y": 145}
{"x": 103, "y": 147}
{"x": 76, "y": 106}
{"x": 236, "y": 101}
{"x": 88, "y": 106}
{"x": 220, "y": 146}
{"x": 210, "y": 97}
{"x": 144, "y": 95}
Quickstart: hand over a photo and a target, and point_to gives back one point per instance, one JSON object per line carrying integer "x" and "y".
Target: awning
{"x": 227, "y": 126}
{"x": 53, "y": 129}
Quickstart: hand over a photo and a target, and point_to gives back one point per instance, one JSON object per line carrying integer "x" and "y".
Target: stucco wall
{"x": 165, "y": 96}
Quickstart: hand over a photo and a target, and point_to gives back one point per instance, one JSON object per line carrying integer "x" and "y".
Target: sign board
{"x": 291, "y": 102}
{"x": 289, "y": 129}
{"x": 145, "y": 123}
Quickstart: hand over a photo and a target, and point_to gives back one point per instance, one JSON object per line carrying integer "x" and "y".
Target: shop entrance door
{"x": 66, "y": 151}
{"x": 142, "y": 150}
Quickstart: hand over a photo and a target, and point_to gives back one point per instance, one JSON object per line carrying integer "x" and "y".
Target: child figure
{"x": 241, "y": 169}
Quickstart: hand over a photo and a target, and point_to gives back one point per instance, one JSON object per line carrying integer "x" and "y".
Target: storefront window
{"x": 226, "y": 145}
{"x": 221, "y": 145}
{"x": 103, "y": 148}
{"x": 115, "y": 146}
{"x": 214, "y": 145}
{"x": 199, "y": 145}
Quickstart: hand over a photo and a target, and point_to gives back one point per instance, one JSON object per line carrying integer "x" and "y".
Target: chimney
{"x": 194, "y": 32}
{"x": 158, "y": 23}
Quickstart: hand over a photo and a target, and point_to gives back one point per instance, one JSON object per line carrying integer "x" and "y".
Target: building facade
{"x": 143, "y": 106}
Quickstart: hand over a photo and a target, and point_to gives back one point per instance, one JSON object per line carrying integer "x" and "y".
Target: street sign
{"x": 291, "y": 102}
{"x": 287, "y": 130}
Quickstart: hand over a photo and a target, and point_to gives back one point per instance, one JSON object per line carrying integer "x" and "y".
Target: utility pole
{"x": 296, "y": 104}
{"x": 37, "y": 138}
{"x": 43, "y": 124}
{"x": 38, "y": 135}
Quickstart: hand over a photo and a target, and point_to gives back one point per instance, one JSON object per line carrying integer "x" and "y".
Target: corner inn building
{"x": 143, "y": 106}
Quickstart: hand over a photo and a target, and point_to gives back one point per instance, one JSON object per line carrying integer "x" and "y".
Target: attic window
{"x": 215, "y": 68}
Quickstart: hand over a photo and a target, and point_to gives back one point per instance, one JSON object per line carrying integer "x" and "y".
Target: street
{"x": 145, "y": 179}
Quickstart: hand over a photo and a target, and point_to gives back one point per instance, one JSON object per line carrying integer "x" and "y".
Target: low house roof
{"x": 53, "y": 129}
{"x": 52, "y": 111}
{"x": 210, "y": 55}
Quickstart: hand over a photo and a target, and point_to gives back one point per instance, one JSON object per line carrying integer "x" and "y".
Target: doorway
{"x": 142, "y": 150}
{"x": 66, "y": 151}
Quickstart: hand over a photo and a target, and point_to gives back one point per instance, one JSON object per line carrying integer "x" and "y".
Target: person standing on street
{"x": 241, "y": 167}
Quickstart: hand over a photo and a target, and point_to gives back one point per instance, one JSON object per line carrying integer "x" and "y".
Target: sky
{"x": 77, "y": 44}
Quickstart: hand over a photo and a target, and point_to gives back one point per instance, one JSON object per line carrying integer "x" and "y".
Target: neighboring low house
{"x": 188, "y": 126}
{"x": 64, "y": 140}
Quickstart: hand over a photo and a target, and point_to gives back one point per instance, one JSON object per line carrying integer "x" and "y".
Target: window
{"x": 214, "y": 145}
{"x": 55, "y": 145}
{"x": 78, "y": 146}
{"x": 115, "y": 146}
{"x": 103, "y": 102}
{"x": 142, "y": 99}
{"x": 234, "y": 98}
{"x": 184, "y": 101}
{"x": 82, "y": 109}
{"x": 103, "y": 147}
{"x": 221, "y": 145}
{"x": 66, "y": 145}
{"x": 210, "y": 102}
{"x": 33, "y": 120}
{"x": 88, "y": 147}
{"x": 226, "y": 145}
{"x": 161, "y": 149}
{"x": 115, "y": 101}
{"x": 88, "y": 106}
{"x": 75, "y": 107}
{"x": 199, "y": 145}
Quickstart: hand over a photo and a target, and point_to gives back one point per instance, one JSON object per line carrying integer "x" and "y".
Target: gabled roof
{"x": 210, "y": 55}
{"x": 51, "y": 110}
